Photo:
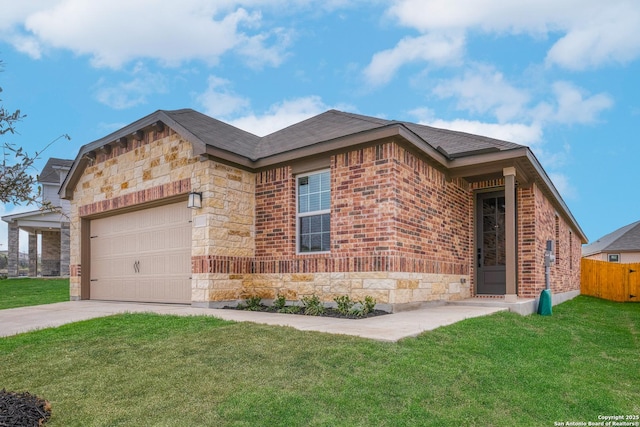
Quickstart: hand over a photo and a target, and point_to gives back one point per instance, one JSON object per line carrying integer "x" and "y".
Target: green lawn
{"x": 25, "y": 291}
{"x": 500, "y": 370}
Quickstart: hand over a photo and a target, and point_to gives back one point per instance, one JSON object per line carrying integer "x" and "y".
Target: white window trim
{"x": 305, "y": 214}
{"x": 609, "y": 257}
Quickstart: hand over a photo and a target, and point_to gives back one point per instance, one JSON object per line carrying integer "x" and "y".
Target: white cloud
{"x": 609, "y": 34}
{"x": 592, "y": 32}
{"x": 281, "y": 115}
{"x": 437, "y": 48}
{"x": 573, "y": 107}
{"x": 513, "y": 132}
{"x": 484, "y": 90}
{"x": 219, "y": 101}
{"x": 130, "y": 93}
{"x": 563, "y": 185}
{"x": 118, "y": 31}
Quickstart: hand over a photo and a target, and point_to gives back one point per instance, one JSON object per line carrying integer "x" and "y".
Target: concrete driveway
{"x": 392, "y": 327}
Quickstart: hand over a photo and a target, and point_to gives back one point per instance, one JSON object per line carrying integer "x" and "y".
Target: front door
{"x": 491, "y": 250}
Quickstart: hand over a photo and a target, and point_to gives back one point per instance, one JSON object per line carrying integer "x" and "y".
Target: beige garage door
{"x": 142, "y": 256}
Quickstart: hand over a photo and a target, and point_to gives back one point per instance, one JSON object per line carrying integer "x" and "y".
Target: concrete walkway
{"x": 390, "y": 327}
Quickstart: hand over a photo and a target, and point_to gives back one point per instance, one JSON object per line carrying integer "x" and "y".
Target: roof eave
{"x": 81, "y": 161}
{"x": 528, "y": 170}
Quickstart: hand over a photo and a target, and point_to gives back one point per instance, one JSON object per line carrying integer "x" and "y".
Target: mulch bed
{"x": 23, "y": 409}
{"x": 328, "y": 312}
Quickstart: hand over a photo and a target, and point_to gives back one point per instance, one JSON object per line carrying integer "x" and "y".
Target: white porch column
{"x": 510, "y": 232}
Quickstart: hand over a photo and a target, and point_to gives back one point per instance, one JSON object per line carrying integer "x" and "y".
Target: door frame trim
{"x": 499, "y": 192}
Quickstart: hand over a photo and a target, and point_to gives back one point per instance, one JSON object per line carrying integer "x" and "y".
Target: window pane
{"x": 304, "y": 225}
{"x": 303, "y": 185}
{"x": 316, "y": 224}
{"x": 316, "y": 242}
{"x": 314, "y": 183}
{"x": 326, "y": 222}
{"x": 325, "y": 202}
{"x": 326, "y": 244}
{"x": 303, "y": 205}
{"x": 325, "y": 182}
{"x": 304, "y": 243}
{"x": 314, "y": 202}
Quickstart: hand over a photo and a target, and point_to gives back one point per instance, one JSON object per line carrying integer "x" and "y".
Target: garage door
{"x": 142, "y": 256}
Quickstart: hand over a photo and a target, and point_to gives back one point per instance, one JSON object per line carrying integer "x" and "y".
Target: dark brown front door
{"x": 490, "y": 250}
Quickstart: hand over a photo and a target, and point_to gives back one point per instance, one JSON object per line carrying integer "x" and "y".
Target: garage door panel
{"x": 142, "y": 256}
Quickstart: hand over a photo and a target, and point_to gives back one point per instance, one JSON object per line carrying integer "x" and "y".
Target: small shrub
{"x": 345, "y": 304}
{"x": 364, "y": 307}
{"x": 369, "y": 304}
{"x": 279, "y": 302}
{"x": 253, "y": 303}
{"x": 292, "y": 309}
{"x": 312, "y": 305}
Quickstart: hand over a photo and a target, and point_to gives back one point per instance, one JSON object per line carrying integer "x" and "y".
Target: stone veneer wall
{"x": 161, "y": 166}
{"x": 50, "y": 256}
{"x": 223, "y": 233}
{"x": 158, "y": 166}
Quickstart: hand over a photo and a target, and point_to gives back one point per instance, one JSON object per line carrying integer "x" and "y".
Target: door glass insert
{"x": 493, "y": 232}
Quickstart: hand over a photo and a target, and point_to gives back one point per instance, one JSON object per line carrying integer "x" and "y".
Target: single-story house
{"x": 338, "y": 204}
{"x": 622, "y": 245}
{"x": 51, "y": 225}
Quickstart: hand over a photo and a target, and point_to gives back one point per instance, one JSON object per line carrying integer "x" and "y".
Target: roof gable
{"x": 51, "y": 170}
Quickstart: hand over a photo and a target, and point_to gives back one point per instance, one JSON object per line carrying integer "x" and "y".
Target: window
{"x": 570, "y": 250}
{"x": 314, "y": 212}
{"x": 614, "y": 257}
{"x": 557, "y": 254}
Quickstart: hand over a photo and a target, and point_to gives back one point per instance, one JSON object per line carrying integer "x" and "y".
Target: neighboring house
{"x": 339, "y": 204}
{"x": 623, "y": 245}
{"x": 53, "y": 226}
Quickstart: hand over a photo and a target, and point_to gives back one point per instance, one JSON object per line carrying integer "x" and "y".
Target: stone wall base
{"x": 393, "y": 291}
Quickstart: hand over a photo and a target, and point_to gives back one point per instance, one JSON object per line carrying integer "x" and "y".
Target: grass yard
{"x": 500, "y": 370}
{"x": 26, "y": 291}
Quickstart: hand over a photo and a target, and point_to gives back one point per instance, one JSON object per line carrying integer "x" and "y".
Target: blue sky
{"x": 561, "y": 76}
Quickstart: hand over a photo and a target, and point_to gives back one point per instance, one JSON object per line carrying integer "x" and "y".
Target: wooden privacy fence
{"x": 609, "y": 280}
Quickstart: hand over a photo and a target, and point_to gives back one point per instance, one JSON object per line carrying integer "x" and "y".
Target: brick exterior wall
{"x": 275, "y": 213}
{"x": 536, "y": 220}
{"x": 528, "y": 244}
{"x": 394, "y": 235}
{"x": 565, "y": 273}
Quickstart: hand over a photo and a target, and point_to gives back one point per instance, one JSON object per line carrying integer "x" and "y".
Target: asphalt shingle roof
{"x": 49, "y": 172}
{"x": 626, "y": 238}
{"x": 216, "y": 133}
{"x": 324, "y": 127}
